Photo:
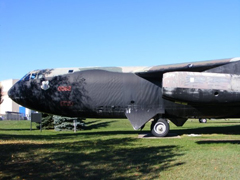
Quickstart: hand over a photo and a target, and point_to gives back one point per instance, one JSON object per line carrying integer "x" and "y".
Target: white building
{"x": 8, "y": 105}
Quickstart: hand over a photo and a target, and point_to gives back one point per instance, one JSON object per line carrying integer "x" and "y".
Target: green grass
{"x": 110, "y": 149}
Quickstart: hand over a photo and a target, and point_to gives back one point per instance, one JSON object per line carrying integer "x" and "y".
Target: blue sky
{"x": 79, "y": 33}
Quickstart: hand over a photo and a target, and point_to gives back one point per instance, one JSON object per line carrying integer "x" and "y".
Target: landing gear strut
{"x": 160, "y": 127}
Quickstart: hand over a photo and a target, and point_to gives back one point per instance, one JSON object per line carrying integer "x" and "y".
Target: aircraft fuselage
{"x": 100, "y": 93}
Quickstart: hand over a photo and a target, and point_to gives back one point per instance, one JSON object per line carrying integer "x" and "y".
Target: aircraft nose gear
{"x": 160, "y": 128}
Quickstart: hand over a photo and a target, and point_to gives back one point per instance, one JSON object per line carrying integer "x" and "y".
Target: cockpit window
{"x": 33, "y": 76}
{"x": 29, "y": 76}
{"x": 40, "y": 76}
{"x": 26, "y": 77}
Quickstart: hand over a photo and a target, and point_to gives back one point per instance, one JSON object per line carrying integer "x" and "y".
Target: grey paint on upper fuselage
{"x": 143, "y": 70}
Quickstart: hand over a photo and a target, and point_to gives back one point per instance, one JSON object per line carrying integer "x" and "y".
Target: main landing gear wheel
{"x": 160, "y": 128}
{"x": 203, "y": 120}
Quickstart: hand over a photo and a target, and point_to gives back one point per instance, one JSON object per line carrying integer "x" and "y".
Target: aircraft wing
{"x": 179, "y": 80}
{"x": 158, "y": 71}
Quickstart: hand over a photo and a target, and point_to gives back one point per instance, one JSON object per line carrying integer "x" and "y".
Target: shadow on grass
{"x": 96, "y": 124}
{"x": 99, "y": 159}
{"x": 66, "y": 135}
{"x": 228, "y": 130}
{"x": 25, "y": 129}
{"x": 218, "y": 142}
{"x": 233, "y": 130}
{"x": 224, "y": 122}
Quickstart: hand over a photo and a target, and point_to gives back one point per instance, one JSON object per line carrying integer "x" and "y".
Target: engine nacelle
{"x": 201, "y": 88}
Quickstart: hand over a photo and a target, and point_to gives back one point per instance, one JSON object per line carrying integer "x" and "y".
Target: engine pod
{"x": 201, "y": 88}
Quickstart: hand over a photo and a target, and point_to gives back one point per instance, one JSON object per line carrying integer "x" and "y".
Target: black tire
{"x": 152, "y": 124}
{"x": 203, "y": 120}
{"x": 160, "y": 128}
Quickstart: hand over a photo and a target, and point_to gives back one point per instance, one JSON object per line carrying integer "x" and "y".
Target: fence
{"x": 13, "y": 116}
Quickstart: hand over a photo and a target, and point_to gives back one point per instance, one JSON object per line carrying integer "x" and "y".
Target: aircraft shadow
{"x": 25, "y": 129}
{"x": 96, "y": 124}
{"x": 225, "y": 122}
{"x": 233, "y": 130}
{"x": 116, "y": 158}
{"x": 67, "y": 135}
{"x": 228, "y": 130}
{"x": 218, "y": 142}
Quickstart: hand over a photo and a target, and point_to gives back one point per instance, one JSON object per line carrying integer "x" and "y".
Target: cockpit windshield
{"x": 26, "y": 77}
{"x": 32, "y": 76}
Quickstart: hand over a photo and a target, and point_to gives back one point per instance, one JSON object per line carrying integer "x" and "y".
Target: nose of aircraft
{"x": 11, "y": 93}
{"x": 14, "y": 93}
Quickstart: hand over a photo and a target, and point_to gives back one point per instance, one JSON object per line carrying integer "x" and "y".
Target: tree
{"x": 47, "y": 121}
{"x": 60, "y": 123}
{"x": 66, "y": 123}
{"x": 1, "y": 100}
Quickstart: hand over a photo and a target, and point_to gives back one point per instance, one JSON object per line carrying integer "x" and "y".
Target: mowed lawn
{"x": 111, "y": 149}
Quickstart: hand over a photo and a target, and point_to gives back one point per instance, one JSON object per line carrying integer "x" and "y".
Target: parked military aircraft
{"x": 209, "y": 89}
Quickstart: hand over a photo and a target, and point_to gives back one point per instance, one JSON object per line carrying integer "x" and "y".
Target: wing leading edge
{"x": 158, "y": 71}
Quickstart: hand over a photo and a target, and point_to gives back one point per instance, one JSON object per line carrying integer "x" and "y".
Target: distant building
{"x": 8, "y": 108}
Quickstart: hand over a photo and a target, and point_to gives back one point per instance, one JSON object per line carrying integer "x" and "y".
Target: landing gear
{"x": 203, "y": 120}
{"x": 160, "y": 127}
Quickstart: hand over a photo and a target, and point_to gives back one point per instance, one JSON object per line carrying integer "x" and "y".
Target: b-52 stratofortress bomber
{"x": 209, "y": 89}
